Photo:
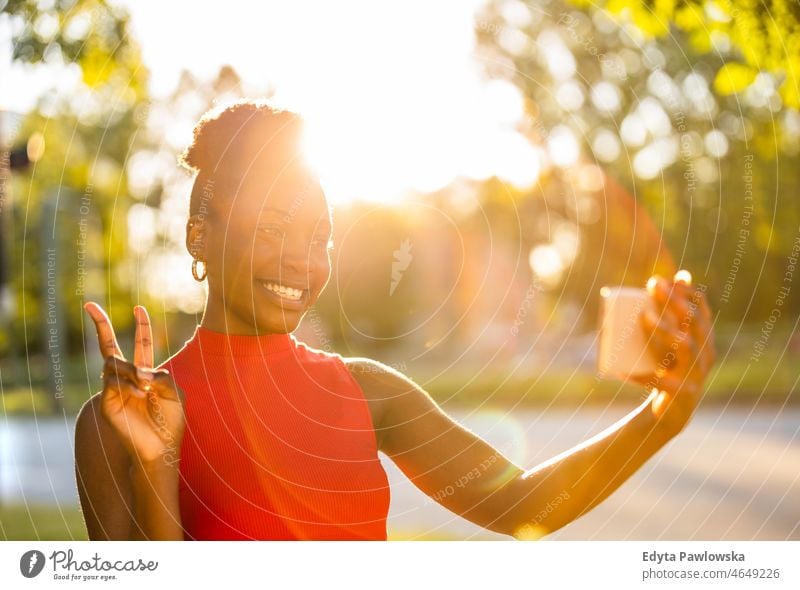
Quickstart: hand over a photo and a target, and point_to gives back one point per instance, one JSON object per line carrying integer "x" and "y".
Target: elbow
{"x": 534, "y": 527}
{"x": 527, "y": 528}
{"x": 532, "y": 514}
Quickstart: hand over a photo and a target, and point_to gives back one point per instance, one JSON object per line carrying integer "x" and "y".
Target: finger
{"x": 676, "y": 346}
{"x": 696, "y": 321}
{"x": 161, "y": 383}
{"x": 707, "y": 327}
{"x": 683, "y": 276}
{"x": 105, "y": 332}
{"x": 661, "y": 336}
{"x": 695, "y": 296}
{"x": 652, "y": 282}
{"x": 647, "y": 381}
{"x": 143, "y": 347}
{"x": 703, "y": 334}
{"x": 121, "y": 375}
{"x": 658, "y": 289}
{"x": 683, "y": 384}
{"x": 673, "y": 300}
{"x": 699, "y": 297}
{"x": 683, "y": 290}
{"x": 681, "y": 343}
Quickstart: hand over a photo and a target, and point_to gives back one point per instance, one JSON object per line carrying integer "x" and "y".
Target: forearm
{"x": 556, "y": 492}
{"x": 156, "y": 502}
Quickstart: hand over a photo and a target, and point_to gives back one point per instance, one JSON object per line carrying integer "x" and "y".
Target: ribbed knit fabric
{"x": 279, "y": 443}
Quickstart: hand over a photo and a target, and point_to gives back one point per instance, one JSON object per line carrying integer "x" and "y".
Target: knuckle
{"x": 115, "y": 361}
{"x": 160, "y": 374}
{"x": 163, "y": 378}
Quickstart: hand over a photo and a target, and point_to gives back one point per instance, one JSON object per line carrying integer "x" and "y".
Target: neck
{"x": 208, "y": 341}
{"x": 218, "y": 318}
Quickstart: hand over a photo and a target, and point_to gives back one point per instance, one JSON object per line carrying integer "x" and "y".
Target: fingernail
{"x": 144, "y": 379}
{"x": 684, "y": 276}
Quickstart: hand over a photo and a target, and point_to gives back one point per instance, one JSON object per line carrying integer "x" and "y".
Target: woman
{"x": 247, "y": 433}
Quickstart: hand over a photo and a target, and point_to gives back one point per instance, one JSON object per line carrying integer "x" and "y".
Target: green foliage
{"x": 766, "y": 33}
{"x": 90, "y": 33}
{"x": 88, "y": 136}
{"x": 733, "y": 77}
{"x": 701, "y": 119}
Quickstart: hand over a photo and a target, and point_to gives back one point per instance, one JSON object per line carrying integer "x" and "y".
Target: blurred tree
{"x": 644, "y": 109}
{"x": 92, "y": 34}
{"x": 160, "y": 190}
{"x": 766, "y": 33}
{"x": 89, "y": 119}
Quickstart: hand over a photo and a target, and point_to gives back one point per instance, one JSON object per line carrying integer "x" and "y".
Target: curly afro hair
{"x": 247, "y": 135}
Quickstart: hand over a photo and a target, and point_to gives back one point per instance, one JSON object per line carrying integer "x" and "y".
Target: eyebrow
{"x": 324, "y": 224}
{"x": 274, "y": 210}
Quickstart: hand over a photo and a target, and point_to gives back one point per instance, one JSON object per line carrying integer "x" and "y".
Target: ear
{"x": 196, "y": 231}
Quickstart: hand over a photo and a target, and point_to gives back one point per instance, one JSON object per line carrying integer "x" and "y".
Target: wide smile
{"x": 284, "y": 295}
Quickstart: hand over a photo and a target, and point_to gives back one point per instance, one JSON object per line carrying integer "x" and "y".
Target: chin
{"x": 278, "y": 324}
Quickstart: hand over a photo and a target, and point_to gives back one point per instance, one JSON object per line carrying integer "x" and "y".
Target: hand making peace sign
{"x": 142, "y": 404}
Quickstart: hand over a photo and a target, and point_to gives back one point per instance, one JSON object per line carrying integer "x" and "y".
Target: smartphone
{"x": 623, "y": 351}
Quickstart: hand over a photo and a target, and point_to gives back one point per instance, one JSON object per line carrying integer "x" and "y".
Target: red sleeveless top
{"x": 279, "y": 443}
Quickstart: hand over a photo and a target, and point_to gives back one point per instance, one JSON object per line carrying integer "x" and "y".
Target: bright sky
{"x": 393, "y": 95}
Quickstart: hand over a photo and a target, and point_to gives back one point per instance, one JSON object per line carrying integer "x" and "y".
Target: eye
{"x": 272, "y": 231}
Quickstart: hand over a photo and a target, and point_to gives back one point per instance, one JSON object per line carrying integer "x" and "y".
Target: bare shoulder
{"x": 380, "y": 384}
{"x": 388, "y": 391}
{"x": 380, "y": 381}
{"x": 375, "y": 374}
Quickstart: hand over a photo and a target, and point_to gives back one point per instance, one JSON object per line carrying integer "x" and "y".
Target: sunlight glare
{"x": 546, "y": 262}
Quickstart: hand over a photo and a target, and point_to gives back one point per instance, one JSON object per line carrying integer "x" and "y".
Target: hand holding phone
{"x": 674, "y": 329}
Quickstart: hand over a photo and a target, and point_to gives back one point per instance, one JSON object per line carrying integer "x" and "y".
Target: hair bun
{"x": 239, "y": 131}
{"x": 243, "y": 136}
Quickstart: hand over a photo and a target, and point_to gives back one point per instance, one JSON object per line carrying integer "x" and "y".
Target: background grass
{"x": 49, "y": 523}
{"x": 772, "y": 379}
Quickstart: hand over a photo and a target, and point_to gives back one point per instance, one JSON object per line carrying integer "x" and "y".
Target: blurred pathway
{"x": 731, "y": 474}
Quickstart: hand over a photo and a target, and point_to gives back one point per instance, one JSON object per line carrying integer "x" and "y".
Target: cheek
{"x": 236, "y": 261}
{"x": 322, "y": 271}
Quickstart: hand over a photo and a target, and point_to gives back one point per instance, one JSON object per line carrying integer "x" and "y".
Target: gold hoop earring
{"x": 194, "y": 270}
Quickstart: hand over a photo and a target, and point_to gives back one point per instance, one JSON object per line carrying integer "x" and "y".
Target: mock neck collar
{"x": 236, "y": 345}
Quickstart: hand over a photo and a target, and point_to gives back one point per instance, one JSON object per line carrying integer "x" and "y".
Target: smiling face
{"x": 267, "y": 254}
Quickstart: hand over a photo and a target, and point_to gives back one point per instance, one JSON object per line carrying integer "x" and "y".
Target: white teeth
{"x": 285, "y": 292}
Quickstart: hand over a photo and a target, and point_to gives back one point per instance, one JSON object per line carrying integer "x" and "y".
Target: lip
{"x": 280, "y": 301}
{"x": 292, "y": 284}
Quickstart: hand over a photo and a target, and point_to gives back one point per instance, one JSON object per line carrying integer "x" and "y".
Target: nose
{"x": 296, "y": 261}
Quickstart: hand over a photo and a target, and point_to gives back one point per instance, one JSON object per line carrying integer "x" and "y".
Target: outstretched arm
{"x": 468, "y": 476}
